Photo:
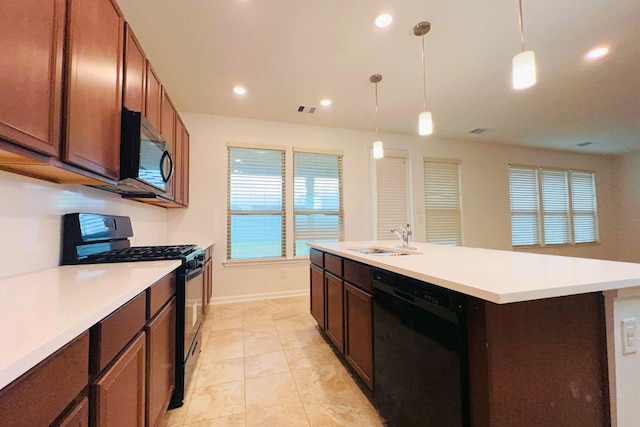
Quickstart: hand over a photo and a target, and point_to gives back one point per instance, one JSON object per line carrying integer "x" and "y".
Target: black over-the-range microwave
{"x": 146, "y": 165}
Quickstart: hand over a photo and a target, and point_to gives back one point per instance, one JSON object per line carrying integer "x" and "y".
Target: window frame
{"x": 571, "y": 212}
{"x": 339, "y": 213}
{"x": 458, "y": 210}
{"x": 288, "y": 209}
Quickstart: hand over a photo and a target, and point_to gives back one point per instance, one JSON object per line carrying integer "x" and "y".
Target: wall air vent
{"x": 584, "y": 144}
{"x": 479, "y": 131}
{"x": 306, "y": 109}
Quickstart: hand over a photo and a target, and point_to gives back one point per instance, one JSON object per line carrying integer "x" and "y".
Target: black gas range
{"x": 94, "y": 239}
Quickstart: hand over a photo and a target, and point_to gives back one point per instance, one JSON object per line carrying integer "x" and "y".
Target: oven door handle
{"x": 193, "y": 273}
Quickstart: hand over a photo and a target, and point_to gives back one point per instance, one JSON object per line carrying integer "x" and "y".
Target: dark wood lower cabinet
{"x": 160, "y": 362}
{"x": 358, "y": 339}
{"x": 42, "y": 394}
{"x": 335, "y": 310}
{"x": 77, "y": 417}
{"x": 317, "y": 294}
{"x": 119, "y": 394}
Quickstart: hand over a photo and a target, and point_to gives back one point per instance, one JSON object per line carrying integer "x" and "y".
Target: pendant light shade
{"x": 524, "y": 63}
{"x": 524, "y": 70}
{"x": 425, "y": 123}
{"x": 378, "y": 149}
{"x": 425, "y": 120}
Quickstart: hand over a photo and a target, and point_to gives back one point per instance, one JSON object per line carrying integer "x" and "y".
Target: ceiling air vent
{"x": 584, "y": 144}
{"x": 306, "y": 109}
{"x": 479, "y": 131}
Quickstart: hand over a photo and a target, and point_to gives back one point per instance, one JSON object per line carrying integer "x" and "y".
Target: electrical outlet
{"x": 629, "y": 338}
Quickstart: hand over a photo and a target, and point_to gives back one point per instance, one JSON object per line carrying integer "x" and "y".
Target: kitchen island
{"x": 538, "y": 329}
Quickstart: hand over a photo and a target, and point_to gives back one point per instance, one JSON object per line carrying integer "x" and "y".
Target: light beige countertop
{"x": 40, "y": 312}
{"x": 493, "y": 275}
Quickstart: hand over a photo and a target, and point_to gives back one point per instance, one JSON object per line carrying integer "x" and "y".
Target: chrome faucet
{"x": 403, "y": 234}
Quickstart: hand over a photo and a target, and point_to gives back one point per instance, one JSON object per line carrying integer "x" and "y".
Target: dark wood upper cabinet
{"x": 135, "y": 72}
{"x": 94, "y": 86}
{"x": 153, "y": 93}
{"x": 32, "y": 40}
{"x": 178, "y": 158}
{"x": 168, "y": 132}
{"x": 185, "y": 166}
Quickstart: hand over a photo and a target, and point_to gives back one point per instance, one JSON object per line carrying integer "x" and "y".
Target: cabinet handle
{"x": 166, "y": 156}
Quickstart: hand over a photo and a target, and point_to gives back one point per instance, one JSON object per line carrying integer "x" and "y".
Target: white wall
{"x": 31, "y": 220}
{"x": 627, "y": 215}
{"x": 485, "y": 191}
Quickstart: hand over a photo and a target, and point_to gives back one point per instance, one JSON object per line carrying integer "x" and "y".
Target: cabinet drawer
{"x": 111, "y": 335}
{"x": 42, "y": 394}
{"x": 161, "y": 292}
{"x": 357, "y": 274}
{"x": 315, "y": 256}
{"x": 333, "y": 264}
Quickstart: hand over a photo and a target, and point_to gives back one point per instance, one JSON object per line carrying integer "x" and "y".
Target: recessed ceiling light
{"x": 597, "y": 52}
{"x": 325, "y": 102}
{"x": 239, "y": 90}
{"x": 383, "y": 20}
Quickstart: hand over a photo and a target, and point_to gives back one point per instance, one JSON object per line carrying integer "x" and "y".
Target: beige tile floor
{"x": 264, "y": 363}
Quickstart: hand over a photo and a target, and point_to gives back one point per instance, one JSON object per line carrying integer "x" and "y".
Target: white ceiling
{"x": 296, "y": 52}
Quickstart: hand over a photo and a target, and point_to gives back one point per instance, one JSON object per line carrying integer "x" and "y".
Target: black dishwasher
{"x": 420, "y": 353}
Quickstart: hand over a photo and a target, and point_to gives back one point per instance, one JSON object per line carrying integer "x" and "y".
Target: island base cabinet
{"x": 538, "y": 363}
{"x": 317, "y": 294}
{"x": 335, "y": 310}
{"x": 358, "y": 340}
{"x": 119, "y": 394}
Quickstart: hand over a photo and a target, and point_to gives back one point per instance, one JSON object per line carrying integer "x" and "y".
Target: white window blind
{"x": 552, "y": 206}
{"x": 555, "y": 206}
{"x": 583, "y": 204}
{"x": 442, "y": 201}
{"x": 525, "y": 206}
{"x": 256, "y": 203}
{"x": 318, "y": 214}
{"x": 391, "y": 194}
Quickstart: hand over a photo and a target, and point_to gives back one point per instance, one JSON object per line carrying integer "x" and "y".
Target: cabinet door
{"x": 167, "y": 130}
{"x": 32, "y": 40}
{"x": 185, "y": 166}
{"x": 94, "y": 86}
{"x": 335, "y": 307}
{"x": 358, "y": 340}
{"x": 119, "y": 394}
{"x": 178, "y": 162}
{"x": 78, "y": 417}
{"x": 317, "y": 294}
{"x": 161, "y": 359}
{"x": 135, "y": 71}
{"x": 207, "y": 285}
{"x": 152, "y": 97}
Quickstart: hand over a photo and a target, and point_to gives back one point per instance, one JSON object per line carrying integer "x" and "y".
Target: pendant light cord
{"x": 521, "y": 27}
{"x": 377, "y": 111}
{"x": 424, "y": 80}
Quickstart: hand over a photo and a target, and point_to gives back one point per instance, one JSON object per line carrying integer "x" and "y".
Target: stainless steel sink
{"x": 381, "y": 251}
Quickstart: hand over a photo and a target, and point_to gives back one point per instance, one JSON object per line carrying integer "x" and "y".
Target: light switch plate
{"x": 629, "y": 336}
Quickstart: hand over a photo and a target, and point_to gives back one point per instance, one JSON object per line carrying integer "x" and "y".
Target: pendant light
{"x": 524, "y": 63}
{"x": 425, "y": 120}
{"x": 378, "y": 150}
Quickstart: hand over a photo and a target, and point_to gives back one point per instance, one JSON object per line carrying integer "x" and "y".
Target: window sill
{"x": 265, "y": 262}
{"x": 563, "y": 245}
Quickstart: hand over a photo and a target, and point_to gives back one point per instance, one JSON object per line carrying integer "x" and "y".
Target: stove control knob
{"x": 191, "y": 265}
{"x": 200, "y": 257}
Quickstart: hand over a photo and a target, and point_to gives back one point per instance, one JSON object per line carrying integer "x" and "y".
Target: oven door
{"x": 193, "y": 306}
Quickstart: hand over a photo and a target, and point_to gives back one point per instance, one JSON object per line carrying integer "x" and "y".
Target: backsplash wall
{"x": 31, "y": 220}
